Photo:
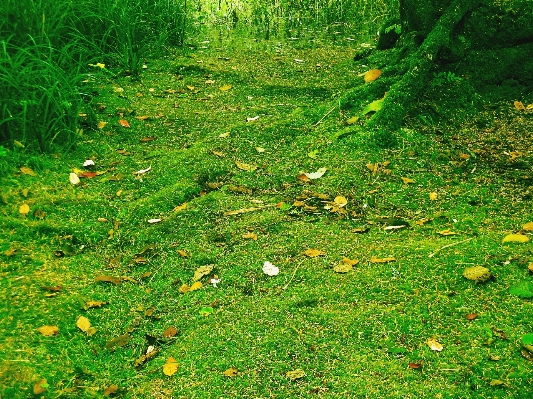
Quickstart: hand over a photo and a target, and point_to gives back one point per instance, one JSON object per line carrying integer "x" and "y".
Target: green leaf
{"x": 374, "y": 106}
{"x": 527, "y": 339}
{"x": 206, "y": 311}
{"x": 523, "y": 290}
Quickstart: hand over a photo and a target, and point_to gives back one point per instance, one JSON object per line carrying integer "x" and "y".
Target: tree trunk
{"x": 402, "y": 94}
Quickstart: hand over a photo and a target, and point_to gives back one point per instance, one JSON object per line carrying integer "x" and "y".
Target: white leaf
{"x": 88, "y": 162}
{"x": 74, "y": 179}
{"x": 252, "y": 119}
{"x": 143, "y": 171}
{"x": 316, "y": 175}
{"x": 152, "y": 221}
{"x": 270, "y": 270}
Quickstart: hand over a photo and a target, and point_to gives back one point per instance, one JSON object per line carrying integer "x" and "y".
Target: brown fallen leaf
{"x": 415, "y": 365}
{"x": 471, "y": 316}
{"x": 110, "y": 390}
{"x": 170, "y": 332}
{"x": 109, "y": 279}
{"x": 124, "y": 123}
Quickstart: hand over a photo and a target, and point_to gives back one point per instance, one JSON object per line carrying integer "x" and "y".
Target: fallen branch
{"x": 449, "y": 245}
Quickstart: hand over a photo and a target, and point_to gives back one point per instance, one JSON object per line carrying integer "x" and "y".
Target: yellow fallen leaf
{"x": 340, "y": 201}
{"x": 313, "y": 253}
{"x": 83, "y": 323}
{"x": 225, "y": 87}
{"x": 170, "y": 367}
{"x": 375, "y": 259}
{"x": 479, "y": 274}
{"x": 528, "y": 226}
{"x": 40, "y": 387}
{"x": 245, "y": 166}
{"x": 447, "y": 232}
{"x": 434, "y": 345}
{"x": 184, "y": 288}
{"x": 372, "y": 75}
{"x": 519, "y": 106}
{"x": 24, "y": 209}
{"x": 181, "y": 207}
{"x": 195, "y": 286}
{"x": 295, "y": 374}
{"x": 433, "y": 196}
{"x": 250, "y": 236}
{"x": 516, "y": 238}
{"x": 27, "y": 171}
{"x": 345, "y": 265}
{"x": 407, "y": 180}
{"x": 352, "y": 120}
{"x": 74, "y": 179}
{"x": 48, "y": 331}
{"x": 231, "y": 372}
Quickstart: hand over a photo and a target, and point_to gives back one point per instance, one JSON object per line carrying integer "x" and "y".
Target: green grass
{"x": 353, "y": 334}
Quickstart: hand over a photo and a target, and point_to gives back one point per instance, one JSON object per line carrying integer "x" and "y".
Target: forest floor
{"x": 147, "y": 279}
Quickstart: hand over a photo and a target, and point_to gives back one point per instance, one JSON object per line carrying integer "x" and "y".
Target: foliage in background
{"x": 45, "y": 49}
{"x": 289, "y": 18}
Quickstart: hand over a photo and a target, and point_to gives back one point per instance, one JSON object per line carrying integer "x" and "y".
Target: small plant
{"x": 445, "y": 77}
{"x": 395, "y": 27}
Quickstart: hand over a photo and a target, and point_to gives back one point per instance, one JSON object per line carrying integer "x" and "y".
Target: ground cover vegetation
{"x": 218, "y": 230}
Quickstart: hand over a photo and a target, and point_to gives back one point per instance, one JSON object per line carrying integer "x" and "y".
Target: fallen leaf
{"x": 530, "y": 268}
{"x": 48, "y": 331}
{"x": 150, "y": 353}
{"x": 516, "y": 238}
{"x": 109, "y": 279}
{"x": 101, "y": 124}
{"x": 170, "y": 367}
{"x": 74, "y": 179}
{"x": 195, "y": 286}
{"x": 170, "y": 332}
{"x": 345, "y": 265}
{"x": 110, "y": 390}
{"x": 143, "y": 171}
{"x": 270, "y": 270}
{"x": 124, "y": 123}
{"x": 224, "y": 135}
{"x": 374, "y": 259}
{"x": 225, "y": 87}
{"x": 27, "y": 171}
{"x": 471, "y": 316}
{"x": 40, "y": 387}
{"x": 434, "y": 345}
{"x": 182, "y": 253}
{"x": 154, "y": 221}
{"x": 372, "y": 75}
{"x": 496, "y": 383}
{"x": 519, "y": 106}
{"x": 479, "y": 274}
{"x": 407, "y": 180}
{"x": 147, "y": 139}
{"x": 303, "y": 177}
{"x": 528, "y": 227}
{"x": 94, "y": 304}
{"x": 433, "y": 196}
{"x": 202, "y": 271}
{"x": 231, "y": 372}
{"x": 191, "y": 88}
{"x": 245, "y": 166}
{"x": 316, "y": 175}
{"x": 446, "y": 233}
{"x": 205, "y": 311}
{"x": 260, "y": 149}
{"x": 24, "y": 209}
{"x": 352, "y": 120}
{"x": 83, "y": 323}
{"x": 252, "y": 119}
{"x": 295, "y": 374}
{"x": 313, "y": 253}
{"x": 184, "y": 289}
{"x": 250, "y": 236}
{"x": 121, "y": 341}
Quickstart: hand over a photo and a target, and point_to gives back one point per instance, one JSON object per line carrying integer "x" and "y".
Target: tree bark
{"x": 403, "y": 93}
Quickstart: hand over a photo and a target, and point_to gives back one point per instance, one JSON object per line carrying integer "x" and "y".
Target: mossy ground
{"x": 355, "y": 334}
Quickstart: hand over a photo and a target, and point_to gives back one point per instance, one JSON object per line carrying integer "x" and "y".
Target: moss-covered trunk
{"x": 403, "y": 93}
